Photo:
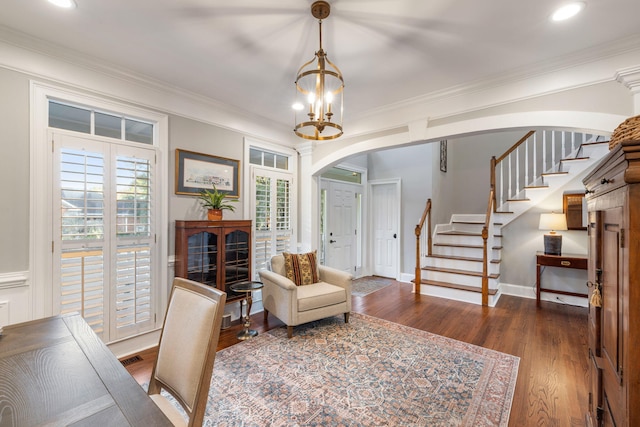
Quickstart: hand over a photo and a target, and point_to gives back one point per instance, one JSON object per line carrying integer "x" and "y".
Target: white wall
{"x": 522, "y": 239}
{"x": 413, "y": 166}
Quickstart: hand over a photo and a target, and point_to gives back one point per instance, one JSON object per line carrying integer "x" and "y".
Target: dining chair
{"x": 187, "y": 350}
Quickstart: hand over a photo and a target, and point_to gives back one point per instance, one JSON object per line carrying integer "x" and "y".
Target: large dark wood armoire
{"x": 613, "y": 200}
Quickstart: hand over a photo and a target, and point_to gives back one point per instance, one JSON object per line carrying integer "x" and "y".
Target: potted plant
{"x": 215, "y": 203}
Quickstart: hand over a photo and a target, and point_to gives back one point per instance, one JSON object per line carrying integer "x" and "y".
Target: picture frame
{"x": 443, "y": 155}
{"x": 197, "y": 171}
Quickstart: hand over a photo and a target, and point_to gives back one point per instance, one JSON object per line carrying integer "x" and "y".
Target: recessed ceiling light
{"x": 67, "y": 4}
{"x": 568, "y": 11}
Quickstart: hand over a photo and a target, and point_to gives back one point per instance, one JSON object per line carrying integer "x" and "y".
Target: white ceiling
{"x": 245, "y": 53}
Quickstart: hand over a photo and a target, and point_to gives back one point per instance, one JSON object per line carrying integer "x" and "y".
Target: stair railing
{"x": 423, "y": 244}
{"x": 487, "y": 230}
{"x": 523, "y": 164}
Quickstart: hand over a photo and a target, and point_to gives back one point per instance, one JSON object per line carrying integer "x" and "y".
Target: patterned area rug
{"x": 369, "y": 372}
{"x": 366, "y": 285}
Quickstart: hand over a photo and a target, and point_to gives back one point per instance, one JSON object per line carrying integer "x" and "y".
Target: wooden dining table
{"x": 57, "y": 372}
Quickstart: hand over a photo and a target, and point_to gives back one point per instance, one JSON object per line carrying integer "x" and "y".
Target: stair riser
{"x": 460, "y": 265}
{"x": 458, "y": 279}
{"x": 458, "y": 295}
{"x": 468, "y": 228}
{"x": 465, "y": 252}
{"x": 458, "y": 240}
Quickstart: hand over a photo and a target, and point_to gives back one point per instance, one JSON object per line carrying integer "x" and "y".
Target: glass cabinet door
{"x": 202, "y": 262}
{"x": 237, "y": 260}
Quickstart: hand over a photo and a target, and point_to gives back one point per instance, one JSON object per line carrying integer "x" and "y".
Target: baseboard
{"x": 136, "y": 344}
{"x": 530, "y": 292}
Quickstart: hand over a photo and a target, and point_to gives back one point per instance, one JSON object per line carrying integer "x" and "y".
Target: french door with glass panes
{"x": 272, "y": 210}
{"x": 104, "y": 238}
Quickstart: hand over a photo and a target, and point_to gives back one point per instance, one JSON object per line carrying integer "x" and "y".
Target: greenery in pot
{"x": 215, "y": 200}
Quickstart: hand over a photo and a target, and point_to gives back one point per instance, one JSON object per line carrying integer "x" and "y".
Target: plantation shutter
{"x": 272, "y": 215}
{"x": 103, "y": 258}
{"x": 134, "y": 239}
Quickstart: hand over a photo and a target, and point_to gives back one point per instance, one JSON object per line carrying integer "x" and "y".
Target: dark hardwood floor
{"x": 551, "y": 341}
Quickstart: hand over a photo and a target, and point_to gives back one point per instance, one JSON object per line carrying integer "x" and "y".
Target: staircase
{"x": 538, "y": 165}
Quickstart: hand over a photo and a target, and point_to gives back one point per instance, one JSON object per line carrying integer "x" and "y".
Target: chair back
{"x": 277, "y": 265}
{"x": 187, "y": 347}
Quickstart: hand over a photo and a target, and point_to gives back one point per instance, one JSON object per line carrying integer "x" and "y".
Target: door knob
{"x": 332, "y": 241}
{"x": 395, "y": 236}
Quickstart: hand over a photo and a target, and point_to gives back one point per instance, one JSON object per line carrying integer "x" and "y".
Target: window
{"x": 83, "y": 119}
{"x": 272, "y": 196}
{"x": 272, "y": 215}
{"x": 97, "y": 193}
{"x": 269, "y": 159}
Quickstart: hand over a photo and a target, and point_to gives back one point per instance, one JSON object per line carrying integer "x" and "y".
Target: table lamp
{"x": 552, "y": 240}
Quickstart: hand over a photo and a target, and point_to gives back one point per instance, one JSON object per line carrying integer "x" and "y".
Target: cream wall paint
{"x": 192, "y": 135}
{"x": 14, "y": 171}
{"x": 408, "y": 164}
{"x": 470, "y": 168}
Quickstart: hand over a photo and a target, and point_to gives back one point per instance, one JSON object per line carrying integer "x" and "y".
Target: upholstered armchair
{"x": 297, "y": 304}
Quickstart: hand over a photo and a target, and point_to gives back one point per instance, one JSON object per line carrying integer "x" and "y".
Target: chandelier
{"x": 319, "y": 89}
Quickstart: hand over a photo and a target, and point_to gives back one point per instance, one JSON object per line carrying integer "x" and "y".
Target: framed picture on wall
{"x": 443, "y": 156}
{"x": 196, "y": 172}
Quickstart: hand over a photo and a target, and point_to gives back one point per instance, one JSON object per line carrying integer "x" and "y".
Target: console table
{"x": 561, "y": 261}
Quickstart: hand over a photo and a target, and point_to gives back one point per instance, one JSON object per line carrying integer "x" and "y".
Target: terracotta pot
{"x": 214, "y": 214}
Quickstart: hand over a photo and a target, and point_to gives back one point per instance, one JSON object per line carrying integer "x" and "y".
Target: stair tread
{"x": 554, "y": 173}
{"x": 518, "y": 200}
{"x": 460, "y": 258}
{"x": 536, "y": 187}
{"x": 456, "y": 286}
{"x": 464, "y": 233}
{"x": 458, "y": 271}
{"x": 571, "y": 159}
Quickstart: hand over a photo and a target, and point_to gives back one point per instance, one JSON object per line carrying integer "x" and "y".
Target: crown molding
{"x": 534, "y": 71}
{"x": 166, "y": 96}
{"x": 630, "y": 78}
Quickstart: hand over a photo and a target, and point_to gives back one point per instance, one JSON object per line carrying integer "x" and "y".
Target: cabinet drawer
{"x": 580, "y": 263}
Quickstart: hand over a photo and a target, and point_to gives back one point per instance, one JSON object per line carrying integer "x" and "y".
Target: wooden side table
{"x": 561, "y": 261}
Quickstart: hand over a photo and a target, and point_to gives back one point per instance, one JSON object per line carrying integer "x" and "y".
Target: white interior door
{"x": 385, "y": 220}
{"x": 341, "y": 226}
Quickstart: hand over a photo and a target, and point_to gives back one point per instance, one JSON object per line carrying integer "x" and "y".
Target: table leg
{"x": 247, "y": 333}
{"x": 538, "y": 285}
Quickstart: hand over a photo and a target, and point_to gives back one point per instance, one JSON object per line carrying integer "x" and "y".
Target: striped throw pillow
{"x": 302, "y": 269}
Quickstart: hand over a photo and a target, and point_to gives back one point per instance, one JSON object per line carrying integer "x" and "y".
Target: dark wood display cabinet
{"x": 613, "y": 201}
{"x": 217, "y": 253}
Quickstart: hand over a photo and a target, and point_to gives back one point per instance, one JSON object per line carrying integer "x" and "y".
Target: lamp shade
{"x": 553, "y": 222}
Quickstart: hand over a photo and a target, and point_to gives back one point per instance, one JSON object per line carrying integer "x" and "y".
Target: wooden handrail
{"x": 426, "y": 215}
{"x": 516, "y": 145}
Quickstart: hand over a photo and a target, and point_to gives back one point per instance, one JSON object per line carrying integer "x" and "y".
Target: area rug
{"x": 369, "y": 372}
{"x": 366, "y": 285}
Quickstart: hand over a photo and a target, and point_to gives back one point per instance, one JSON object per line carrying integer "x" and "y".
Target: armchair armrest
{"x": 269, "y": 277}
{"x": 335, "y": 276}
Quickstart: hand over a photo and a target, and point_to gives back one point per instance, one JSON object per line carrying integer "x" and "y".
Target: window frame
{"x": 248, "y": 176}
{"x": 41, "y": 200}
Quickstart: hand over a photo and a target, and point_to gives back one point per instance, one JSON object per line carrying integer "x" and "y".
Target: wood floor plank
{"x": 551, "y": 341}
